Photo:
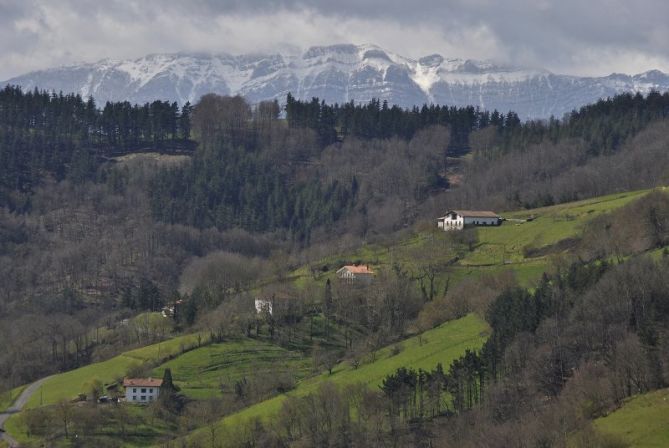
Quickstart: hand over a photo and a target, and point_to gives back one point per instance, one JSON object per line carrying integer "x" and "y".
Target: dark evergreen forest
{"x": 67, "y": 137}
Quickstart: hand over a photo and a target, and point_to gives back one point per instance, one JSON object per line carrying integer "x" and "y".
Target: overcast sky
{"x": 584, "y": 37}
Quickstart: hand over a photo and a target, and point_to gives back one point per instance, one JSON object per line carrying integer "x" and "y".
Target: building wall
{"x": 263, "y": 305}
{"x": 141, "y": 394}
{"x": 452, "y": 224}
{"x": 459, "y": 222}
{"x": 481, "y": 221}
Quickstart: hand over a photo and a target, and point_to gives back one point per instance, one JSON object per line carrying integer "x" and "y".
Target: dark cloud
{"x": 572, "y": 36}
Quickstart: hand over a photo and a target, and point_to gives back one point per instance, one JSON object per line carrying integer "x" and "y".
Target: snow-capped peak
{"x": 338, "y": 73}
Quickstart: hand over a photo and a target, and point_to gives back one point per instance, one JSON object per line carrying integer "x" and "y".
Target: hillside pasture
{"x": 439, "y": 345}
{"x": 204, "y": 372}
{"x": 68, "y": 385}
{"x": 642, "y": 422}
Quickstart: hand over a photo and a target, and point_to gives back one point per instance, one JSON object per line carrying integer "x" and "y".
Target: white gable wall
{"x": 451, "y": 222}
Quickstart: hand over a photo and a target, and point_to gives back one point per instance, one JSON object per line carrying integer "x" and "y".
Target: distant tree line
{"x": 378, "y": 119}
{"x": 604, "y": 125}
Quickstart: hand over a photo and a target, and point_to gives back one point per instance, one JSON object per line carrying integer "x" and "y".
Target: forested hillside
{"x": 109, "y": 213}
{"x": 66, "y": 137}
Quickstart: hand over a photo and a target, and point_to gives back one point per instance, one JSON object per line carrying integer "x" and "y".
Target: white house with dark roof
{"x": 142, "y": 390}
{"x": 458, "y": 219}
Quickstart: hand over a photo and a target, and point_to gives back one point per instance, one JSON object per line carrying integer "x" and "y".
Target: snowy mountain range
{"x": 339, "y": 73}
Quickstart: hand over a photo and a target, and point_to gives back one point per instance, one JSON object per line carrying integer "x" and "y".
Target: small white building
{"x": 141, "y": 390}
{"x": 263, "y": 306}
{"x": 458, "y": 219}
{"x": 356, "y": 273}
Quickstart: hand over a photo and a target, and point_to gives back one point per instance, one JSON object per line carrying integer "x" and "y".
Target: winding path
{"x": 16, "y": 407}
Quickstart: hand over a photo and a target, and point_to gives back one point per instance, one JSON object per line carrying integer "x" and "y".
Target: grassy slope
{"x": 7, "y": 398}
{"x": 551, "y": 224}
{"x": 643, "y": 421}
{"x": 499, "y": 249}
{"x": 440, "y": 345}
{"x": 69, "y": 384}
{"x": 199, "y": 373}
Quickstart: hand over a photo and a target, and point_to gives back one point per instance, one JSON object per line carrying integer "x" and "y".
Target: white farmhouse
{"x": 458, "y": 219}
{"x": 141, "y": 390}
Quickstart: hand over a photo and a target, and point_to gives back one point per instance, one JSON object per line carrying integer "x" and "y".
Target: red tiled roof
{"x": 359, "y": 269}
{"x": 142, "y": 382}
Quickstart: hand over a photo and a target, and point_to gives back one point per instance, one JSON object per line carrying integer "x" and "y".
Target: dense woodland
{"x": 233, "y": 197}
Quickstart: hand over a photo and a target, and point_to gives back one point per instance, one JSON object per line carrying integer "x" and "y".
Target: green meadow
{"x": 439, "y": 345}
{"x": 7, "y": 398}
{"x": 69, "y": 384}
{"x": 202, "y": 372}
{"x": 642, "y": 422}
{"x": 498, "y": 249}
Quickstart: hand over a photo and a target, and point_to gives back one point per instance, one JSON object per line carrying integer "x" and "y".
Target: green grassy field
{"x": 201, "y": 372}
{"x": 439, "y": 345}
{"x": 550, "y": 225}
{"x": 8, "y": 398}
{"x": 69, "y": 384}
{"x": 643, "y": 421}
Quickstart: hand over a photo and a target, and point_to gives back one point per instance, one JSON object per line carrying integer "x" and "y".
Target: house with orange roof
{"x": 356, "y": 273}
{"x": 142, "y": 390}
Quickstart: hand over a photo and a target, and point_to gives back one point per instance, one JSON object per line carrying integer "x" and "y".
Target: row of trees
{"x": 379, "y": 120}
